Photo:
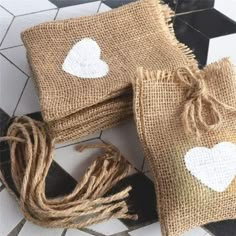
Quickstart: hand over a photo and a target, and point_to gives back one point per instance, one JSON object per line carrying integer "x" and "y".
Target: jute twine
{"x": 31, "y": 153}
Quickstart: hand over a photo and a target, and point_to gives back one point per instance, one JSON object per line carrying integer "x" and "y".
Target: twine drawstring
{"x": 31, "y": 153}
{"x": 201, "y": 109}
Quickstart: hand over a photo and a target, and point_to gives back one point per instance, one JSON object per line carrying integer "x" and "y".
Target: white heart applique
{"x": 216, "y": 167}
{"x": 84, "y": 61}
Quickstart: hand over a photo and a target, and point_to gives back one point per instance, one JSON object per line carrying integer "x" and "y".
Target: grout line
{"x": 2, "y": 49}
{"x": 35, "y": 12}
{"x": 99, "y": 6}
{"x": 71, "y": 144}
{"x": 56, "y": 14}
{"x": 64, "y": 232}
{"x": 142, "y": 166}
{"x": 189, "y": 12}
{"x": 6, "y": 10}
{"x": 100, "y": 135}
{"x": 92, "y": 232}
{"x": 207, "y": 231}
{"x": 7, "y": 31}
{"x": 16, "y": 230}
{"x": 20, "y": 96}
{"x": 13, "y": 64}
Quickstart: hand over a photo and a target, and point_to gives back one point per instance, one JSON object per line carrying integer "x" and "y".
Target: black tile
{"x": 193, "y": 5}
{"x": 117, "y": 3}
{"x": 210, "y": 22}
{"x": 36, "y": 116}
{"x": 58, "y": 182}
{"x": 67, "y": 3}
{"x": 4, "y": 119}
{"x": 144, "y": 205}
{"x": 223, "y": 228}
{"x": 193, "y": 39}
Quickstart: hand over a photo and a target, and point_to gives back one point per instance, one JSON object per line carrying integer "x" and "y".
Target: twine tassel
{"x": 31, "y": 153}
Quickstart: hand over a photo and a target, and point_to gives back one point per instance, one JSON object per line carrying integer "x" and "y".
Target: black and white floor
{"x": 207, "y": 26}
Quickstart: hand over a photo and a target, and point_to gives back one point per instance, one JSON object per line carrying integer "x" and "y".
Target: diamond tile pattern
{"x": 23, "y": 22}
{"x": 17, "y": 55}
{"x": 207, "y": 26}
{"x": 26, "y": 6}
{"x": 6, "y": 19}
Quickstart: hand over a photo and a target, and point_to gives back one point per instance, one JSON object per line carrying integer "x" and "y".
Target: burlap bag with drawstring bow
{"x": 136, "y": 34}
{"x": 175, "y": 112}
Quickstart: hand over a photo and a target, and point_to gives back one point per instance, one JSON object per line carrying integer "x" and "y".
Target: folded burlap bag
{"x": 186, "y": 123}
{"x": 83, "y": 67}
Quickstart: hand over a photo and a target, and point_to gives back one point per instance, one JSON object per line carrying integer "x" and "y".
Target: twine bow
{"x": 201, "y": 111}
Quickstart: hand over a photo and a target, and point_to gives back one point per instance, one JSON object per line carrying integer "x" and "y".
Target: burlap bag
{"x": 86, "y": 99}
{"x": 186, "y": 124}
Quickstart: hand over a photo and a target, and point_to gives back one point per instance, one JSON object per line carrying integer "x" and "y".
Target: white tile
{"x": 74, "y": 162}
{"x": 104, "y": 8}
{"x": 76, "y": 232}
{"x": 109, "y": 227}
{"x": 26, "y": 6}
{"x": 12, "y": 82}
{"x": 85, "y": 9}
{"x": 125, "y": 137}
{"x": 5, "y": 21}
{"x": 227, "y": 9}
{"x": 195, "y": 232}
{"x": 21, "y": 23}
{"x": 222, "y": 47}
{"x": 29, "y": 101}
{"x": 150, "y": 230}
{"x": 18, "y": 56}
{"x": 30, "y": 229}
{"x": 10, "y": 214}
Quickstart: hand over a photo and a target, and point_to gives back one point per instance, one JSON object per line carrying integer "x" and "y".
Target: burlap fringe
{"x": 31, "y": 153}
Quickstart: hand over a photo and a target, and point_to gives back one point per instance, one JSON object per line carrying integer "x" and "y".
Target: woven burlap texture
{"x": 159, "y": 99}
{"x": 136, "y": 34}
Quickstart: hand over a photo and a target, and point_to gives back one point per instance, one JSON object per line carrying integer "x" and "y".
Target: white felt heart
{"x": 84, "y": 61}
{"x": 216, "y": 167}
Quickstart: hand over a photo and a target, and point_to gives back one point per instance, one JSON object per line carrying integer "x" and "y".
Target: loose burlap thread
{"x": 31, "y": 153}
{"x": 174, "y": 112}
{"x": 73, "y": 106}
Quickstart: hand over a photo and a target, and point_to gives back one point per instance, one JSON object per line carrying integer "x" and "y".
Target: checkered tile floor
{"x": 207, "y": 26}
